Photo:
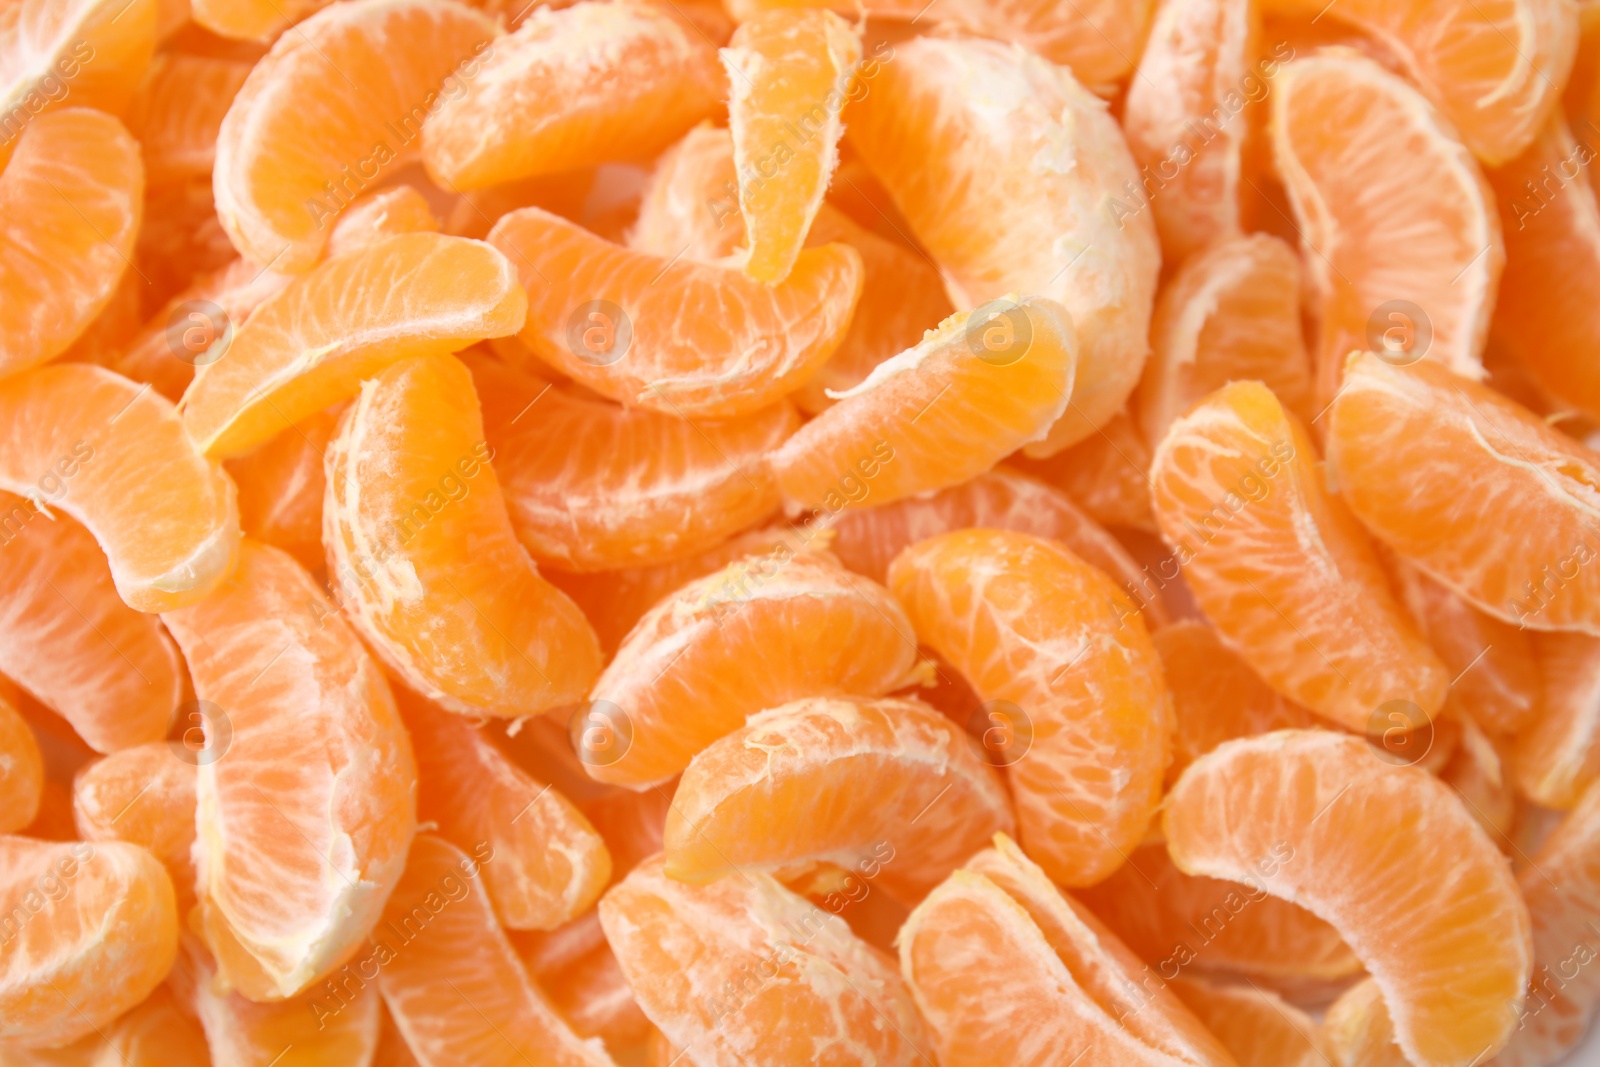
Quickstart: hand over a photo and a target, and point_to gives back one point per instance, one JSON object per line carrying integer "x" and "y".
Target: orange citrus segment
{"x": 594, "y": 486}
{"x": 452, "y": 982}
{"x": 374, "y": 216}
{"x": 67, "y": 637}
{"x": 1403, "y": 441}
{"x": 1258, "y": 1027}
{"x": 158, "y": 1033}
{"x": 312, "y": 345}
{"x": 86, "y": 53}
{"x": 1366, "y": 159}
{"x": 789, "y": 75}
{"x": 281, "y": 485}
{"x": 21, "y": 769}
{"x": 975, "y": 390}
{"x": 252, "y": 20}
{"x": 114, "y": 456}
{"x": 422, "y": 553}
{"x": 1496, "y": 68}
{"x": 330, "y": 111}
{"x": 571, "y": 88}
{"x": 306, "y": 784}
{"x": 1425, "y": 900}
{"x": 621, "y": 322}
{"x": 86, "y": 912}
{"x": 145, "y": 795}
{"x": 1230, "y": 313}
{"x": 71, "y": 197}
{"x": 1108, "y": 474}
{"x": 759, "y": 633}
{"x": 822, "y": 995}
{"x": 690, "y": 206}
{"x": 889, "y": 787}
{"x": 1557, "y": 754}
{"x": 179, "y": 110}
{"x": 1358, "y": 1032}
{"x": 1012, "y": 177}
{"x": 550, "y": 864}
{"x": 1006, "y": 968}
{"x": 1074, "y": 703}
{"x": 1279, "y": 565}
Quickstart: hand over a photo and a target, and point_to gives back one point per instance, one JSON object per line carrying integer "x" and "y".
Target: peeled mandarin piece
{"x": 1562, "y": 885}
{"x": 1358, "y": 1032}
{"x": 594, "y": 997}
{"x": 158, "y": 1033}
{"x": 1495, "y": 674}
{"x": 422, "y": 553}
{"x": 386, "y": 213}
{"x": 571, "y": 88}
{"x": 1279, "y": 565}
{"x": 252, "y": 20}
{"x": 1402, "y": 441}
{"x": 89, "y": 53}
{"x": 1040, "y": 165}
{"x": 145, "y": 795}
{"x": 1177, "y": 922}
{"x": 281, "y": 485}
{"x": 822, "y": 995}
{"x": 1215, "y": 695}
{"x": 619, "y": 322}
{"x": 67, "y": 637}
{"x": 1230, "y": 313}
{"x": 456, "y": 990}
{"x": 833, "y": 780}
{"x": 690, "y": 206}
{"x": 1421, "y": 895}
{"x": 392, "y": 1048}
{"x": 789, "y": 74}
{"x": 1070, "y": 680}
{"x": 1258, "y": 1027}
{"x": 550, "y": 864}
{"x": 179, "y": 111}
{"x": 304, "y": 814}
{"x": 759, "y": 633}
{"x": 975, "y": 390}
{"x": 1108, "y": 475}
{"x": 1496, "y": 69}
{"x": 1006, "y": 968}
{"x": 21, "y": 770}
{"x": 71, "y": 198}
{"x": 1364, "y": 157}
{"x": 868, "y": 539}
{"x": 86, "y": 912}
{"x": 331, "y": 110}
{"x": 314, "y": 343}
{"x": 1557, "y": 754}
{"x": 115, "y": 456}
{"x": 1187, "y": 117}
{"x": 1480, "y": 777}
{"x": 594, "y": 486}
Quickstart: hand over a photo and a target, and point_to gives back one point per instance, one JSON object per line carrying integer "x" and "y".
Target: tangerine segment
{"x": 572, "y": 88}
{"x": 759, "y": 633}
{"x": 1011, "y": 175}
{"x": 476, "y": 630}
{"x": 304, "y": 814}
{"x": 1216, "y": 695}
{"x": 330, "y": 110}
{"x": 89, "y": 52}
{"x": 452, "y": 982}
{"x": 179, "y": 111}
{"x": 71, "y": 198}
{"x": 158, "y": 1033}
{"x": 1188, "y": 114}
{"x": 67, "y": 637}
{"x": 593, "y": 486}
{"x": 144, "y": 795}
{"x": 21, "y": 770}
{"x": 620, "y": 322}
{"x": 1365, "y": 159}
{"x": 281, "y": 485}
{"x": 1552, "y": 233}
{"x": 1280, "y": 567}
{"x": 690, "y": 206}
{"x": 1072, "y": 684}
{"x": 1496, "y": 69}
{"x": 252, "y": 20}
{"x": 374, "y": 216}
{"x": 1403, "y": 440}
{"x": 1259, "y": 1028}
{"x": 814, "y": 992}
{"x": 1358, "y": 1032}
{"x": 115, "y": 457}
{"x": 789, "y": 75}
{"x": 1231, "y": 312}
{"x": 837, "y": 780}
{"x": 314, "y": 343}
{"x": 1418, "y": 891}
{"x": 1557, "y": 754}
{"x": 1176, "y": 922}
{"x": 551, "y": 864}
{"x": 1006, "y": 968}
{"x": 87, "y": 911}
{"x": 1108, "y": 475}
{"x": 1561, "y": 884}
{"x": 973, "y": 391}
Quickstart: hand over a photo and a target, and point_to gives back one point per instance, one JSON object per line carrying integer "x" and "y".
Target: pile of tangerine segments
{"x": 984, "y": 533}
